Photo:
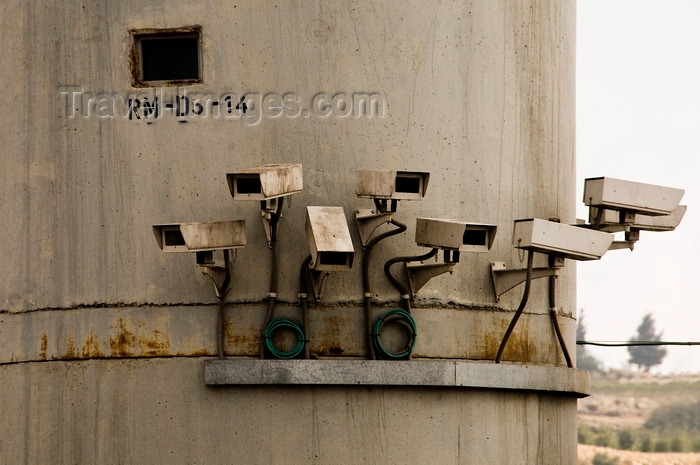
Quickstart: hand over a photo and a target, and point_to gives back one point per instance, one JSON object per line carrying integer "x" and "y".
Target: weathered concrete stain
{"x": 44, "y": 345}
{"x": 91, "y": 348}
{"x": 159, "y": 344}
{"x": 123, "y": 343}
{"x": 70, "y": 348}
{"x": 520, "y": 347}
{"x": 248, "y": 342}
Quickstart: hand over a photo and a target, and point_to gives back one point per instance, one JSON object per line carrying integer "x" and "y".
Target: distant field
{"x": 623, "y": 401}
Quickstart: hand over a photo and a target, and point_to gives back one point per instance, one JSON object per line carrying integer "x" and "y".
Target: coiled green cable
{"x": 403, "y": 318}
{"x": 276, "y": 325}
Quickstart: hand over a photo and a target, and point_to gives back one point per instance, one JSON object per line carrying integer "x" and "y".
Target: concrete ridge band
{"x": 435, "y": 373}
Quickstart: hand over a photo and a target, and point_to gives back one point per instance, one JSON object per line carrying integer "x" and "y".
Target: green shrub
{"x": 646, "y": 443}
{"x": 661, "y": 445}
{"x": 627, "y": 438}
{"x": 585, "y": 434}
{"x": 606, "y": 437}
{"x": 604, "y": 459}
{"x": 641, "y": 439}
{"x": 677, "y": 443}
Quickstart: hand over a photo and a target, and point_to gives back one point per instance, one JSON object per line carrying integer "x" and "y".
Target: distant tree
{"x": 584, "y": 359}
{"x": 646, "y": 356}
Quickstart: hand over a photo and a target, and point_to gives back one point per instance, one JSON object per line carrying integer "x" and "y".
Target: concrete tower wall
{"x": 480, "y": 94}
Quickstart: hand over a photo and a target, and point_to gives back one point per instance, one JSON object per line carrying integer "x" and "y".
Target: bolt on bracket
{"x": 419, "y": 274}
{"x": 368, "y": 220}
{"x": 318, "y": 280}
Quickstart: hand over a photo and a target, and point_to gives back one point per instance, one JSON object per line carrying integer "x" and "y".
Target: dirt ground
{"x": 586, "y": 454}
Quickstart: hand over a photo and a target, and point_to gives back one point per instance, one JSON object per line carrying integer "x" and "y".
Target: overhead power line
{"x": 636, "y": 343}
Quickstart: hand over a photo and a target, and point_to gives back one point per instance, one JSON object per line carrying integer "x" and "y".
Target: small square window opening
{"x": 166, "y": 56}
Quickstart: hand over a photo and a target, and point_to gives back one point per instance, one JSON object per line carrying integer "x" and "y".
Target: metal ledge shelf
{"x": 434, "y": 373}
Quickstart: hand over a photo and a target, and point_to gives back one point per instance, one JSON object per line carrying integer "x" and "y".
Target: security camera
{"x": 203, "y": 239}
{"x": 454, "y": 235}
{"x": 631, "y": 197}
{"x": 609, "y": 220}
{"x": 568, "y": 241}
{"x": 391, "y": 184}
{"x": 329, "y": 239}
{"x": 200, "y": 237}
{"x": 265, "y": 182}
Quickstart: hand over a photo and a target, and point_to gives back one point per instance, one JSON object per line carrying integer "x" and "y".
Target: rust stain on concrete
{"x": 91, "y": 348}
{"x": 70, "y": 348}
{"x": 247, "y": 343}
{"x": 44, "y": 345}
{"x": 159, "y": 344}
{"x": 123, "y": 343}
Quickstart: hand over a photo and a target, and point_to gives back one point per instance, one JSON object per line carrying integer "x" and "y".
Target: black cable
{"x": 272, "y": 295}
{"x": 521, "y": 307}
{"x": 304, "y": 299}
{"x": 555, "y": 320}
{"x": 222, "y": 291}
{"x": 406, "y": 299}
{"x": 560, "y": 337}
{"x": 638, "y": 343}
{"x": 397, "y": 284}
{"x": 400, "y": 227}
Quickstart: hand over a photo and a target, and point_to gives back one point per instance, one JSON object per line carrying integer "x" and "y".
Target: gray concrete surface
{"x": 116, "y": 412}
{"x": 436, "y": 373}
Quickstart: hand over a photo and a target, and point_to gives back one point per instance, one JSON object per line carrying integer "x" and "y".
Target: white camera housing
{"x": 611, "y": 219}
{"x": 629, "y": 196}
{"x": 329, "y": 239}
{"x": 454, "y": 235}
{"x": 550, "y": 237}
{"x": 200, "y": 237}
{"x": 265, "y": 182}
{"x": 391, "y": 184}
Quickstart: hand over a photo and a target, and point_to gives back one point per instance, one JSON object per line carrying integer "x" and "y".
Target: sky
{"x": 638, "y": 118}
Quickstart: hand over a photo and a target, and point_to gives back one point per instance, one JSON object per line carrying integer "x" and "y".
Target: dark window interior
{"x": 170, "y": 59}
{"x": 173, "y": 237}
{"x": 168, "y": 56}
{"x": 408, "y": 184}
{"x": 248, "y": 185}
{"x": 474, "y": 237}
{"x": 333, "y": 258}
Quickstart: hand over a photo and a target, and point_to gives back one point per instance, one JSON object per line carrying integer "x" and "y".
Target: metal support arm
{"x": 505, "y": 280}
{"x": 419, "y": 274}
